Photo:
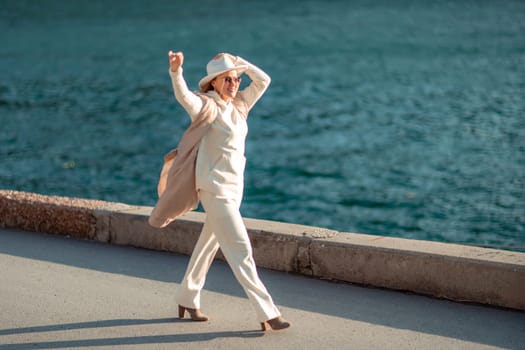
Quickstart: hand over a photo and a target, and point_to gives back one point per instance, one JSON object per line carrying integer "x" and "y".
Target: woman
{"x": 219, "y": 179}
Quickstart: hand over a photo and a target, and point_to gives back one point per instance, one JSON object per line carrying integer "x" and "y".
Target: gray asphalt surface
{"x": 61, "y": 293}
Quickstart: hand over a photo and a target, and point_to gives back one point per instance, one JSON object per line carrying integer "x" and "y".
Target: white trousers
{"x": 224, "y": 227}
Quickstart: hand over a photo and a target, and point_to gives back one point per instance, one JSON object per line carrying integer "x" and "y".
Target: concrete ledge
{"x": 456, "y": 272}
{"x": 60, "y": 215}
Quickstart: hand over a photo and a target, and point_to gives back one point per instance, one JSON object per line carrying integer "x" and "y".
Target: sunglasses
{"x": 230, "y": 80}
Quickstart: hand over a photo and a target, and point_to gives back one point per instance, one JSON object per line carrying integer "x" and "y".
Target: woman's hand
{"x": 176, "y": 60}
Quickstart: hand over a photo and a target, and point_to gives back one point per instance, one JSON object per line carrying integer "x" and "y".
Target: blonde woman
{"x": 219, "y": 113}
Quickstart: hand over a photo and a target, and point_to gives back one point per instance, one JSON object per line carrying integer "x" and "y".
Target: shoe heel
{"x": 181, "y": 311}
{"x": 276, "y": 324}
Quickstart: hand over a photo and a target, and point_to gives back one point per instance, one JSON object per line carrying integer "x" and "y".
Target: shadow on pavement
{"x": 138, "y": 340}
{"x": 87, "y": 325}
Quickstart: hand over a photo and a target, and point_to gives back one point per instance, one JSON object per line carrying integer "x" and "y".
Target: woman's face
{"x": 227, "y": 85}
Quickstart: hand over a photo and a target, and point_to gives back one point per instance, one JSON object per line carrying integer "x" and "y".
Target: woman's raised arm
{"x": 187, "y": 99}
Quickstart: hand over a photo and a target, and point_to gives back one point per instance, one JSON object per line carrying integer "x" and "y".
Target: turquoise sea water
{"x": 399, "y": 118}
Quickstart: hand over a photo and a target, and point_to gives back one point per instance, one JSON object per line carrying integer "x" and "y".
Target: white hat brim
{"x": 207, "y": 79}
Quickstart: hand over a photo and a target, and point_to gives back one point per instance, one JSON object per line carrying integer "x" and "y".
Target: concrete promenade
{"x": 63, "y": 293}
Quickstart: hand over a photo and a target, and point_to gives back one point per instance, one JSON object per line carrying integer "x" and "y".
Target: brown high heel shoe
{"x": 275, "y": 323}
{"x": 195, "y": 314}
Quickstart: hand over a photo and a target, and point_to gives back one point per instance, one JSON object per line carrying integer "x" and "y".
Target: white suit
{"x": 220, "y": 181}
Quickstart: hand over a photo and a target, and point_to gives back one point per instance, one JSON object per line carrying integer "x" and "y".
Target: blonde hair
{"x": 208, "y": 87}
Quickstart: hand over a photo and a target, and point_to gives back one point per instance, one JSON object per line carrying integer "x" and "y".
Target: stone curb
{"x": 451, "y": 271}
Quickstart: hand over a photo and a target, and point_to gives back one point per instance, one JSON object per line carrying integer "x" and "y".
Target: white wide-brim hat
{"x": 216, "y": 67}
